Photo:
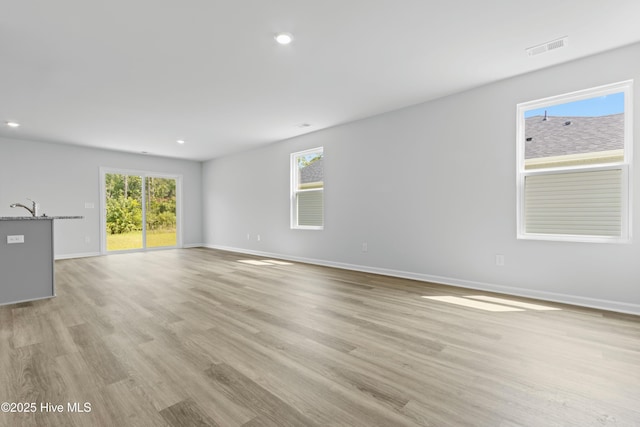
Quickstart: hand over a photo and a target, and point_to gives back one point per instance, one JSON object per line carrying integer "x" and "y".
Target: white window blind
{"x": 310, "y": 208}
{"x": 577, "y": 203}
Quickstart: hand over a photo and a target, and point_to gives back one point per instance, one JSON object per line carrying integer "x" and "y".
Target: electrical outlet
{"x": 365, "y": 247}
{"x": 258, "y": 238}
{"x": 248, "y": 236}
{"x": 87, "y": 239}
{"x": 499, "y": 260}
{"x": 15, "y": 239}
{"x": 89, "y": 205}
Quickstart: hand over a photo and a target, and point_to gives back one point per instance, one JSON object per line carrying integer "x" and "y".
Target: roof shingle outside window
{"x": 313, "y": 172}
{"x": 558, "y": 136}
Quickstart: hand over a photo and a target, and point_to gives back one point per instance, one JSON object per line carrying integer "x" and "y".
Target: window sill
{"x": 574, "y": 238}
{"x": 299, "y": 227}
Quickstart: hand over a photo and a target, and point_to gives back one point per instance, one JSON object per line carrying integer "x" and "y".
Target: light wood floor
{"x": 194, "y": 337}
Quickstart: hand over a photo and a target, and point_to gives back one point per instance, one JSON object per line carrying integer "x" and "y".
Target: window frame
{"x": 294, "y": 222}
{"x": 625, "y": 166}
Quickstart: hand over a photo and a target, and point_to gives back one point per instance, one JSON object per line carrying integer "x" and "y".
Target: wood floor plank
{"x": 78, "y": 376}
{"x": 186, "y": 413}
{"x": 161, "y": 392}
{"x": 246, "y": 392}
{"x": 308, "y": 390}
{"x": 36, "y": 380}
{"x": 188, "y": 380}
{"x": 27, "y": 329}
{"x": 196, "y": 337}
{"x": 126, "y": 405}
{"x": 101, "y": 360}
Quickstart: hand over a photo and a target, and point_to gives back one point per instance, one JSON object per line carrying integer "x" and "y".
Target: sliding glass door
{"x": 124, "y": 212}
{"x": 141, "y": 211}
{"x": 160, "y": 212}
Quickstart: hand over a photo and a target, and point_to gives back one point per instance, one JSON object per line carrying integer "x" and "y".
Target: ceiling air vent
{"x": 546, "y": 47}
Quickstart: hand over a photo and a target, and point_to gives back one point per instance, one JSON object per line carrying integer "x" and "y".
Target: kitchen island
{"x": 27, "y": 258}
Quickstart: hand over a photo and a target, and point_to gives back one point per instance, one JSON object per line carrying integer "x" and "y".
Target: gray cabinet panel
{"x": 26, "y": 269}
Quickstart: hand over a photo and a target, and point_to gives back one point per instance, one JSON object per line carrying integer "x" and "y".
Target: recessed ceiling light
{"x": 180, "y": 141}
{"x": 284, "y": 38}
{"x": 12, "y": 124}
{"x": 305, "y": 125}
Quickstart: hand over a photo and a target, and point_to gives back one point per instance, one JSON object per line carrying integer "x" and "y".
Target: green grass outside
{"x": 133, "y": 240}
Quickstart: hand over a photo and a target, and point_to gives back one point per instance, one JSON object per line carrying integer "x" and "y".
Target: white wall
{"x": 432, "y": 190}
{"x": 63, "y": 177}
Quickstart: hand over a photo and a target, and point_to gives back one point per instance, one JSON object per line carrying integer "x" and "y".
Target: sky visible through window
{"x": 306, "y": 159}
{"x": 592, "y": 107}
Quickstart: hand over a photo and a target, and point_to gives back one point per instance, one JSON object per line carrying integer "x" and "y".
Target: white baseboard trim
{"x": 601, "y": 304}
{"x": 193, "y": 245}
{"x": 80, "y": 255}
{"x": 92, "y": 254}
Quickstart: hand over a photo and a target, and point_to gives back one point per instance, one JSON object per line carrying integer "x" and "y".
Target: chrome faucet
{"x": 33, "y": 209}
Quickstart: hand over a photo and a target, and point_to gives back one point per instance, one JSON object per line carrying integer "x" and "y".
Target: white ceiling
{"x": 136, "y": 75}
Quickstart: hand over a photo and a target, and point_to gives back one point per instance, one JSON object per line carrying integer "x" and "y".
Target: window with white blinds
{"x": 310, "y": 208}
{"x": 582, "y": 203}
{"x": 307, "y": 189}
{"x": 574, "y": 154}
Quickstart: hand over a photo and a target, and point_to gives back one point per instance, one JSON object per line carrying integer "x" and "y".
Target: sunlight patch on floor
{"x": 264, "y": 262}
{"x": 513, "y": 303}
{"x": 488, "y": 303}
{"x": 253, "y": 262}
{"x": 474, "y": 303}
